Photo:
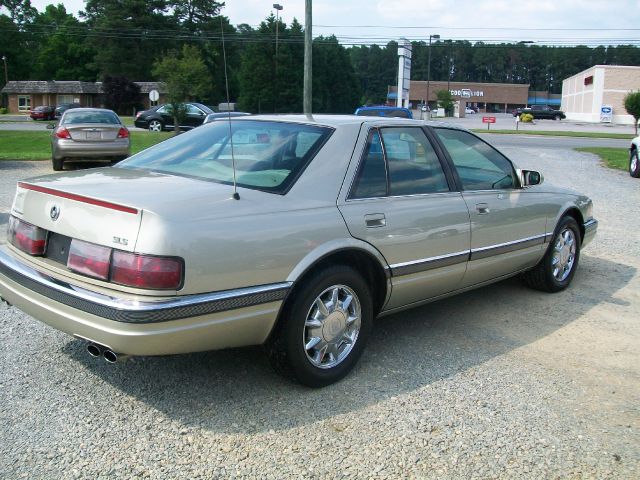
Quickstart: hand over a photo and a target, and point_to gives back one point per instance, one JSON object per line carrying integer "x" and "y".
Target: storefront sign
{"x": 467, "y": 93}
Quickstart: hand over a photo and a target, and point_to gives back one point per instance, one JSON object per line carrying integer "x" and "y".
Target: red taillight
{"x": 123, "y": 133}
{"x": 27, "y": 237}
{"x": 144, "y": 271}
{"x": 89, "y": 259}
{"x": 63, "y": 133}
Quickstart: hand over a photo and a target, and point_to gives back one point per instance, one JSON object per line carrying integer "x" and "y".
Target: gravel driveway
{"x": 501, "y": 382}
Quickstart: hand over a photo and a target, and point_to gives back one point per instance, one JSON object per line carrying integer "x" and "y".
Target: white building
{"x": 584, "y": 94}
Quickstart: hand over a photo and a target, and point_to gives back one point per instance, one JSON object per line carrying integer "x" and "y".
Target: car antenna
{"x": 236, "y": 195}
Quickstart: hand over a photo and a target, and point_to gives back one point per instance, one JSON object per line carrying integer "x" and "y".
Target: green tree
{"x": 186, "y": 77}
{"x": 632, "y": 106}
{"x": 59, "y": 35}
{"x": 128, "y": 35}
{"x": 445, "y": 100}
{"x": 120, "y": 94}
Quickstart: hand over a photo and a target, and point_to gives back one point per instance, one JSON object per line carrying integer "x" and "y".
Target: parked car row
{"x": 312, "y": 228}
{"x": 49, "y": 112}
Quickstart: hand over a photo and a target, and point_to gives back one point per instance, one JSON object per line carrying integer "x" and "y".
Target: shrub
{"x": 526, "y": 117}
{"x": 3, "y": 111}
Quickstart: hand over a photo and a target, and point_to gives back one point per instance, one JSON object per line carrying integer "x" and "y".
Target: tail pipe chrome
{"x": 112, "y": 357}
{"x": 97, "y": 350}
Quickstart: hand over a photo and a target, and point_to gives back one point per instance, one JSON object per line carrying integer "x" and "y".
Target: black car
{"x": 160, "y": 118}
{"x": 541, "y": 112}
{"x": 63, "y": 107}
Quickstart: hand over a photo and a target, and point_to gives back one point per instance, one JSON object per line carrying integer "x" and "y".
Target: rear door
{"x": 508, "y": 223}
{"x": 402, "y": 201}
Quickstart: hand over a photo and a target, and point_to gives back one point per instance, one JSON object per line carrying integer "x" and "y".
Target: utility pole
{"x": 277, "y": 7}
{"x": 308, "y": 48}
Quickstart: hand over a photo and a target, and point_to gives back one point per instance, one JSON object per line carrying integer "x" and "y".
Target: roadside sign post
{"x": 517, "y": 122}
{"x": 488, "y": 121}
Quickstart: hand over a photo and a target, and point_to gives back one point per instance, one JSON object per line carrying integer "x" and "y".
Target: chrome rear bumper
{"x": 147, "y": 326}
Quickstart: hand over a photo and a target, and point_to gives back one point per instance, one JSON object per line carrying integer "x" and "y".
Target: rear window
{"x": 72, "y": 117}
{"x": 269, "y": 156}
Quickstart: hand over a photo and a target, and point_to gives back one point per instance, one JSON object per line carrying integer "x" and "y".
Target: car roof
{"x": 337, "y": 121}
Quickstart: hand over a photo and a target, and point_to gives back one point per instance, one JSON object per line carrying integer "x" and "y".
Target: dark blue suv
{"x": 383, "y": 111}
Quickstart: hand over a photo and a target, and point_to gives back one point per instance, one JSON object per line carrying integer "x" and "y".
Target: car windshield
{"x": 74, "y": 117}
{"x": 269, "y": 156}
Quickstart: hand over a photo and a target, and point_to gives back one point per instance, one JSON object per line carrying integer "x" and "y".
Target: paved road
{"x": 502, "y": 382}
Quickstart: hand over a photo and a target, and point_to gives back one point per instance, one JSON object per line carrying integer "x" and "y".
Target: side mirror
{"x": 531, "y": 177}
{"x": 51, "y": 126}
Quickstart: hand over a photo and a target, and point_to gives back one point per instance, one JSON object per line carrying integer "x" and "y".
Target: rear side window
{"x": 399, "y": 162}
{"x": 371, "y": 180}
{"x": 479, "y": 166}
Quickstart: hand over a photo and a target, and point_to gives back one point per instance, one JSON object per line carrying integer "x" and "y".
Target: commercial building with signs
{"x": 487, "y": 97}
{"x": 24, "y": 95}
{"x": 597, "y": 94}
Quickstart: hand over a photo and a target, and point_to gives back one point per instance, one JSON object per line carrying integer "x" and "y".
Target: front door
{"x": 508, "y": 223}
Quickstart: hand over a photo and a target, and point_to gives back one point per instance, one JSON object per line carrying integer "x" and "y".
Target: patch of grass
{"x": 15, "y": 145}
{"x": 617, "y": 158}
{"x": 620, "y": 136}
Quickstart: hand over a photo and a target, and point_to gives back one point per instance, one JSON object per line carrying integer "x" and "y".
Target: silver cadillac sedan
{"x": 282, "y": 231}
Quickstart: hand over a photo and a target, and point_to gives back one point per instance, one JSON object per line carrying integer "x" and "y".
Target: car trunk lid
{"x": 93, "y": 133}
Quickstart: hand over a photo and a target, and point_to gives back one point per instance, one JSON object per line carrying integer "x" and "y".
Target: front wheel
{"x": 558, "y": 266}
{"x": 557, "y": 118}
{"x": 155, "y": 126}
{"x": 324, "y": 327}
{"x": 634, "y": 164}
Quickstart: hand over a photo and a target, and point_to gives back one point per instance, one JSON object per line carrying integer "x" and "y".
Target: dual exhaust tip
{"x": 97, "y": 350}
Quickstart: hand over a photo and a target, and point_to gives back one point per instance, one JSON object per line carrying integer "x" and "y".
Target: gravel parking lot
{"x": 501, "y": 382}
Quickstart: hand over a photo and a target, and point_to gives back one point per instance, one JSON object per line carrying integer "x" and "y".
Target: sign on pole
{"x": 404, "y": 73}
{"x": 606, "y": 113}
{"x": 488, "y": 121}
{"x": 154, "y": 95}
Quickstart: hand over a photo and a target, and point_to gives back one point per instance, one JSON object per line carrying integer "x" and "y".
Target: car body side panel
{"x": 508, "y": 230}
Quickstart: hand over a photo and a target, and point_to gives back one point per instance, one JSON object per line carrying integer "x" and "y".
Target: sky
{"x": 545, "y": 22}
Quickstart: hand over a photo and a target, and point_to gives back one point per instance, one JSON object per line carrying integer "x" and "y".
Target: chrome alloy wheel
{"x": 155, "y": 126}
{"x": 564, "y": 254}
{"x": 633, "y": 167}
{"x": 332, "y": 326}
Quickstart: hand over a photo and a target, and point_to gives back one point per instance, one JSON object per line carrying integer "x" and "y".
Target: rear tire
{"x": 558, "y": 266}
{"x": 557, "y": 118}
{"x": 634, "y": 164}
{"x": 58, "y": 164}
{"x": 324, "y": 327}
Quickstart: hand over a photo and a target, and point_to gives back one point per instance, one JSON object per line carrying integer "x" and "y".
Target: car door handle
{"x": 375, "y": 220}
{"x": 482, "y": 208}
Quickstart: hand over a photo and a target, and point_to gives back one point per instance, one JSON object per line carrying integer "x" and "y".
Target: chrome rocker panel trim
{"x": 136, "y": 311}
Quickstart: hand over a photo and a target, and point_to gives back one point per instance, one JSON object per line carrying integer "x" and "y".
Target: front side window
{"x": 268, "y": 156}
{"x": 479, "y": 166}
{"x": 24, "y": 103}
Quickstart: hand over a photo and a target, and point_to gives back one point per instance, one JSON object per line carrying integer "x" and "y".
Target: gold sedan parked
{"x": 282, "y": 231}
{"x": 89, "y": 134}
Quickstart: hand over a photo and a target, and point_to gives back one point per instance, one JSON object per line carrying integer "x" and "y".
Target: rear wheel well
{"x": 364, "y": 263}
